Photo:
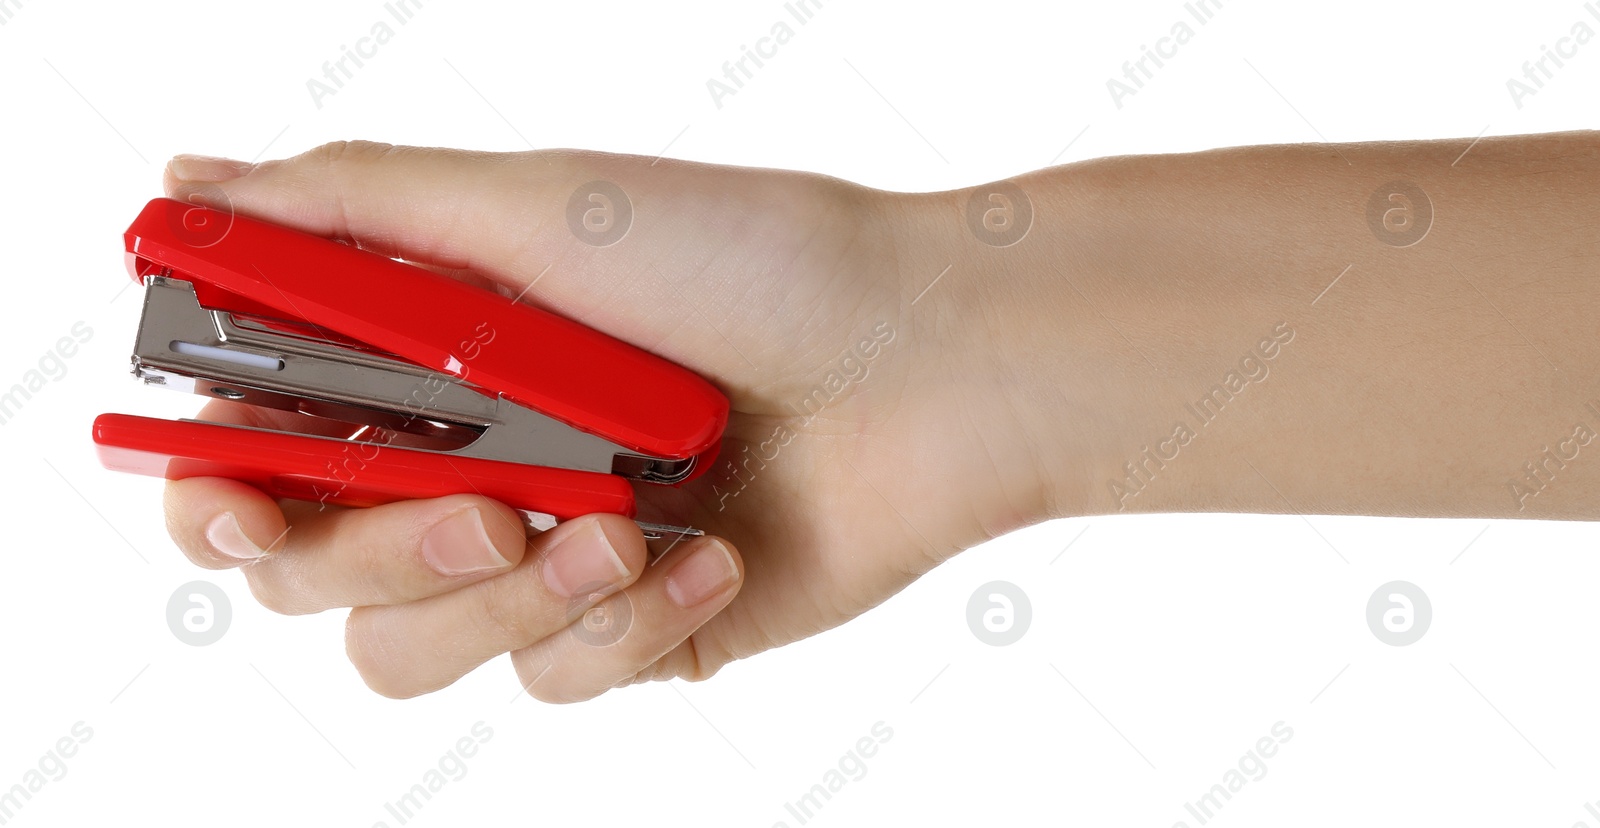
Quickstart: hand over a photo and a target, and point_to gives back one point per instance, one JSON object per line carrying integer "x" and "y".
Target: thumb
{"x": 496, "y": 214}
{"x": 510, "y": 218}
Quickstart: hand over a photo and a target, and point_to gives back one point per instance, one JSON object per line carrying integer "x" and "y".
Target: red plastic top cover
{"x": 540, "y": 360}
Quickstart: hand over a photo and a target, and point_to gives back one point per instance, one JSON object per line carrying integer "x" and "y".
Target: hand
{"x": 872, "y": 433}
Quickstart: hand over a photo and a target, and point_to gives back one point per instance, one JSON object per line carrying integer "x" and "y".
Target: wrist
{"x": 982, "y": 318}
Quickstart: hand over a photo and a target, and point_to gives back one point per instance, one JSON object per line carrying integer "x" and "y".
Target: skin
{"x": 1015, "y": 384}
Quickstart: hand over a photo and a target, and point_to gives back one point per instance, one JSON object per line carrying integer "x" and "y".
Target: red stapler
{"x": 449, "y": 389}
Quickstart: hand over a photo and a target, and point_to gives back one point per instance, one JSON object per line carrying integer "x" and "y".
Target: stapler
{"x": 447, "y": 388}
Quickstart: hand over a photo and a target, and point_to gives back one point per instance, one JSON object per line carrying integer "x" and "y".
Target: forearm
{"x": 1227, "y": 331}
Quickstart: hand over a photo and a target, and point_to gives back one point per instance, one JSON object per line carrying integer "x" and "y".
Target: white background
{"x": 1161, "y": 648}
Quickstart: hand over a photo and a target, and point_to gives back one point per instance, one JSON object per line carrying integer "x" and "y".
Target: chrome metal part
{"x": 534, "y": 522}
{"x": 183, "y": 346}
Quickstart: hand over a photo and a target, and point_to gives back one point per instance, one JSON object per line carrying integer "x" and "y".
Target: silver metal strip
{"x": 182, "y": 346}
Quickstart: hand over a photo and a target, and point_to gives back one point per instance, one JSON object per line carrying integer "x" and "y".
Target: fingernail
{"x": 227, "y": 537}
{"x": 583, "y": 561}
{"x": 705, "y": 573}
{"x": 207, "y": 168}
{"x": 459, "y": 545}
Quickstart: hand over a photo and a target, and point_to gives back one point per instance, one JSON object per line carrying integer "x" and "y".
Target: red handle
{"x": 346, "y": 472}
{"x": 551, "y": 364}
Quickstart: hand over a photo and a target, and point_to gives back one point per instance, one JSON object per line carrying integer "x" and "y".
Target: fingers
{"x": 567, "y": 644}
{"x": 636, "y": 628}
{"x": 416, "y": 648}
{"x": 220, "y": 524}
{"x": 342, "y": 557}
{"x": 442, "y": 586}
{"x": 388, "y": 554}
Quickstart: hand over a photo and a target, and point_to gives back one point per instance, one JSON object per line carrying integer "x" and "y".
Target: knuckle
{"x": 373, "y": 652}
{"x": 368, "y": 573}
{"x": 500, "y": 606}
{"x": 656, "y": 671}
{"x": 268, "y": 587}
{"x": 542, "y": 683}
{"x": 690, "y": 661}
{"x": 338, "y": 153}
{"x": 327, "y": 154}
{"x": 359, "y": 563}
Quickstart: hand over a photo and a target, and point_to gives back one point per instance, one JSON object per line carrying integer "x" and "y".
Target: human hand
{"x": 873, "y": 431}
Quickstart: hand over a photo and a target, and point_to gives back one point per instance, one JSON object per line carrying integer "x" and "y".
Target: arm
{"x": 1262, "y": 329}
{"x": 1243, "y": 328}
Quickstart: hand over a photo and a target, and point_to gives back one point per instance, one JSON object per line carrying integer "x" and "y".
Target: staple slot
{"x": 248, "y": 360}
